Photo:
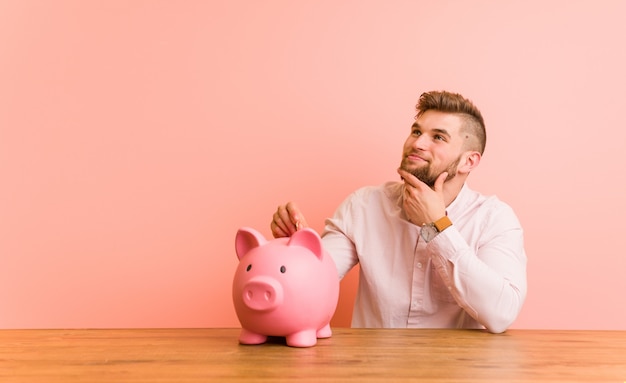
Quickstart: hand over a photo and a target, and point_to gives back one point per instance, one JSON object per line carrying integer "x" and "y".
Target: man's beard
{"x": 427, "y": 176}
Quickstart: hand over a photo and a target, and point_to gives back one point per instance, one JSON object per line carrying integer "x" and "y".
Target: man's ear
{"x": 469, "y": 161}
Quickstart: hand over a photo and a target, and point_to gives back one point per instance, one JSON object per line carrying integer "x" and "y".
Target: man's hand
{"x": 287, "y": 220}
{"x": 421, "y": 203}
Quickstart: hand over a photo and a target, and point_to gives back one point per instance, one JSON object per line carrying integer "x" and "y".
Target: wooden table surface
{"x": 359, "y": 355}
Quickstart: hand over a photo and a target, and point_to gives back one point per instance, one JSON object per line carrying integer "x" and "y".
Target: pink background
{"x": 136, "y": 137}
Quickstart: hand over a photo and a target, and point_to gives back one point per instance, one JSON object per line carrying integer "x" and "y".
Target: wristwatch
{"x": 430, "y": 230}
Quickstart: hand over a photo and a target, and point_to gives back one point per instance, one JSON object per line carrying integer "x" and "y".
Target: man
{"x": 432, "y": 252}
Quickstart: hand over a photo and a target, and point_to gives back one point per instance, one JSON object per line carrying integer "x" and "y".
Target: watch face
{"x": 428, "y": 232}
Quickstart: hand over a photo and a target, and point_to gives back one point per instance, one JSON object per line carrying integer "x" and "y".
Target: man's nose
{"x": 420, "y": 142}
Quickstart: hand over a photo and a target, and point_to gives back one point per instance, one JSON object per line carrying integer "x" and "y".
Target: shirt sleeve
{"x": 337, "y": 240}
{"x": 489, "y": 280}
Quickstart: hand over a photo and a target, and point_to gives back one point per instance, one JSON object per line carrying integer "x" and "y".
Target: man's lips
{"x": 415, "y": 157}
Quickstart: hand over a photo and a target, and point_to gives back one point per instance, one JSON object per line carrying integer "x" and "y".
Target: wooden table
{"x": 356, "y": 355}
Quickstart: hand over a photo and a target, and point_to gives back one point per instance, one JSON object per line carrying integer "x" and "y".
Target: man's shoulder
{"x": 474, "y": 197}
{"x": 388, "y": 189}
{"x": 491, "y": 204}
{"x": 368, "y": 200}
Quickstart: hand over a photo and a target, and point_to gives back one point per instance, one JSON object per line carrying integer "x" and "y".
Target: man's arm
{"x": 488, "y": 283}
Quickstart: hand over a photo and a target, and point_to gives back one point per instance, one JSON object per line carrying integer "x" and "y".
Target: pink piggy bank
{"x": 285, "y": 287}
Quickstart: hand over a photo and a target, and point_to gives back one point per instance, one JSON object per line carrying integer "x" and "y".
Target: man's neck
{"x": 451, "y": 190}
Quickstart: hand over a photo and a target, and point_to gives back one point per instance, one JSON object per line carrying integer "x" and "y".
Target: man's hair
{"x": 455, "y": 103}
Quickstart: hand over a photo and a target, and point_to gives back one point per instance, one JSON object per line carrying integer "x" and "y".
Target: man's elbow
{"x": 503, "y": 316}
{"x": 498, "y": 327}
{"x": 500, "y": 320}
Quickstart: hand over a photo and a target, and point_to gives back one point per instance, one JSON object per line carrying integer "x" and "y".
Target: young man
{"x": 432, "y": 252}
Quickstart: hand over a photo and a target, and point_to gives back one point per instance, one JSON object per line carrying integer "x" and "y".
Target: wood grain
{"x": 359, "y": 355}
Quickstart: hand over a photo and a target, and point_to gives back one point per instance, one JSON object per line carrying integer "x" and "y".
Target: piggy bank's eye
{"x": 283, "y": 269}
{"x": 249, "y": 267}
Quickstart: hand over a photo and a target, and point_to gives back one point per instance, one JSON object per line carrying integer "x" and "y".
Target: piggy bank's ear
{"x": 246, "y": 240}
{"x": 307, "y": 238}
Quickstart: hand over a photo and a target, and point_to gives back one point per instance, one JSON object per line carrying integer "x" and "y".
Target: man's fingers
{"x": 278, "y": 225}
{"x": 287, "y": 220}
{"x": 410, "y": 179}
{"x": 277, "y": 232}
{"x": 440, "y": 180}
{"x": 294, "y": 215}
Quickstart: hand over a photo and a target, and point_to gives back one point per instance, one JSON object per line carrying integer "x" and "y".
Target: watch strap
{"x": 442, "y": 223}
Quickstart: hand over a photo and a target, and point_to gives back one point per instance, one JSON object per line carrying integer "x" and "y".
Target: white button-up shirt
{"x": 471, "y": 275}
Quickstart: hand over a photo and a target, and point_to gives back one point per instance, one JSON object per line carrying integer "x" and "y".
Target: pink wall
{"x": 137, "y": 136}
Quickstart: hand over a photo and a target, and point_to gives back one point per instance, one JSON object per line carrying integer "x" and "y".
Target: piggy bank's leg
{"x": 325, "y": 332}
{"x": 249, "y": 337}
{"x": 305, "y": 338}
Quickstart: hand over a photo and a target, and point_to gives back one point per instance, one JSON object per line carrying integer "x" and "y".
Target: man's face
{"x": 434, "y": 146}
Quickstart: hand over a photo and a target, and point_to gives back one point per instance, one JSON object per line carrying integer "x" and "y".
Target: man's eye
{"x": 417, "y": 133}
{"x": 440, "y": 137}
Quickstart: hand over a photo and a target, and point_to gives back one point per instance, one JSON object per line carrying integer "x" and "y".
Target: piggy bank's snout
{"x": 262, "y": 293}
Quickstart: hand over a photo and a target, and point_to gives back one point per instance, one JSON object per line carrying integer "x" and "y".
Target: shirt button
{"x": 419, "y": 265}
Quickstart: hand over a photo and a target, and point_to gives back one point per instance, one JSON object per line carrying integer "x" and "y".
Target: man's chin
{"x": 421, "y": 173}
{"x": 414, "y": 168}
